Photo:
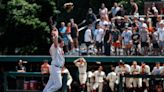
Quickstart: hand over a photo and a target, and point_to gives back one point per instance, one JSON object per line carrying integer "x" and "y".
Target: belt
{"x": 58, "y": 66}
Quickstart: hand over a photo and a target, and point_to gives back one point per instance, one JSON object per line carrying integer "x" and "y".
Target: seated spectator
{"x": 45, "y": 70}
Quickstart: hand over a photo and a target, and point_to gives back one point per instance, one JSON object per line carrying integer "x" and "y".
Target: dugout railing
{"x": 38, "y": 75}
{"x": 120, "y": 89}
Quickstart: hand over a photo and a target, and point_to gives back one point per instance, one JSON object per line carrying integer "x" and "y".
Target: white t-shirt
{"x": 161, "y": 34}
{"x": 127, "y": 36}
{"x": 88, "y": 35}
{"x": 99, "y": 76}
{"x": 57, "y": 56}
{"x": 99, "y": 34}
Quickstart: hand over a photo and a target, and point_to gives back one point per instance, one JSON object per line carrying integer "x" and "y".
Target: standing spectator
{"x": 20, "y": 68}
{"x": 112, "y": 77}
{"x": 144, "y": 39}
{"x": 88, "y": 37}
{"x": 68, "y": 31}
{"x": 116, "y": 36}
{"x": 90, "y": 17}
{"x": 121, "y": 11}
{"x": 115, "y": 9}
{"x": 45, "y": 70}
{"x": 155, "y": 43}
{"x": 107, "y": 40}
{"x": 99, "y": 79}
{"x": 137, "y": 82}
{"x": 74, "y": 33}
{"x": 134, "y": 10}
{"x": 82, "y": 67}
{"x": 103, "y": 11}
{"x": 99, "y": 33}
{"x": 161, "y": 36}
{"x": 127, "y": 41}
{"x": 63, "y": 33}
{"x": 136, "y": 41}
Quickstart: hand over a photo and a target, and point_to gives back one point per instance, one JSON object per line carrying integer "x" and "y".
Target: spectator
{"x": 63, "y": 33}
{"x": 107, "y": 40}
{"x": 144, "y": 39}
{"x": 127, "y": 42}
{"x": 161, "y": 36}
{"x": 68, "y": 31}
{"x": 99, "y": 33}
{"x": 115, "y": 9}
{"x": 134, "y": 10}
{"x": 103, "y": 11}
{"x": 90, "y": 17}
{"x": 88, "y": 37}
{"x": 155, "y": 43}
{"x": 74, "y": 34}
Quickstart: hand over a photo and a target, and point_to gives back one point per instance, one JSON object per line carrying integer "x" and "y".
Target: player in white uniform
{"x": 145, "y": 70}
{"x": 137, "y": 82}
{"x": 90, "y": 81}
{"x": 82, "y": 67}
{"x": 121, "y": 70}
{"x": 112, "y": 77}
{"x": 99, "y": 79}
{"x": 57, "y": 55}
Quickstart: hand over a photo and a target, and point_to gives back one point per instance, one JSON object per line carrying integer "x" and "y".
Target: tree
{"x": 27, "y": 29}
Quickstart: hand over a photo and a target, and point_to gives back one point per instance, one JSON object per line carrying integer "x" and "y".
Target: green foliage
{"x": 27, "y": 24}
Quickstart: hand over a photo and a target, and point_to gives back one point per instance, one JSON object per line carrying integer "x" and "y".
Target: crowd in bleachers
{"x": 111, "y": 32}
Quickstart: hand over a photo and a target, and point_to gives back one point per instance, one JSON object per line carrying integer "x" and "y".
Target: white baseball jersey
{"x": 111, "y": 77}
{"x": 57, "y": 56}
{"x": 145, "y": 69}
{"x": 135, "y": 70}
{"x": 99, "y": 76}
{"x": 81, "y": 67}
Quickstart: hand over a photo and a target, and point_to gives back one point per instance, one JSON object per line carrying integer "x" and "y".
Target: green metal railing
{"x": 105, "y": 59}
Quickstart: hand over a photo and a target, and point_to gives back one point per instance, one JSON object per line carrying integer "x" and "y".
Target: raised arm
{"x": 54, "y": 34}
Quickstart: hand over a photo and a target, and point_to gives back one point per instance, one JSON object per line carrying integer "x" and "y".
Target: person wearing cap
{"x": 144, "y": 39}
{"x": 127, "y": 41}
{"x": 160, "y": 32}
{"x": 82, "y": 67}
{"x": 137, "y": 82}
{"x": 122, "y": 69}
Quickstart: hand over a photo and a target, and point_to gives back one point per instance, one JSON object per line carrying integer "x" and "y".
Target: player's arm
{"x": 76, "y": 62}
{"x": 55, "y": 37}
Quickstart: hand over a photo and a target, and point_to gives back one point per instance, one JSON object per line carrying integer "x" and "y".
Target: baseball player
{"x": 136, "y": 69}
{"x": 99, "y": 79}
{"x": 82, "y": 67}
{"x": 57, "y": 55}
{"x": 90, "y": 81}
{"x": 122, "y": 69}
{"x": 112, "y": 79}
{"x": 145, "y": 70}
